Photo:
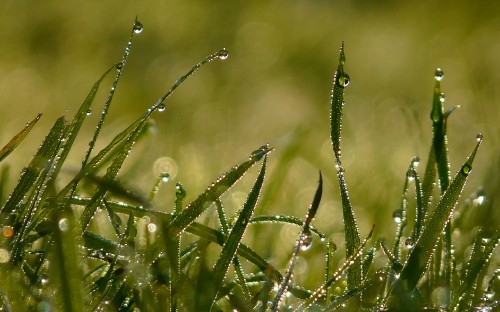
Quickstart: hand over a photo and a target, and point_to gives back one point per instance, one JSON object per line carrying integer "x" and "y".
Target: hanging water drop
{"x": 165, "y": 177}
{"x": 180, "y": 192}
{"x": 63, "y": 225}
{"x": 442, "y": 98}
{"x": 119, "y": 66}
{"x": 223, "y": 54}
{"x": 466, "y": 169}
{"x": 479, "y": 137}
{"x": 411, "y": 174}
{"x": 415, "y": 161}
{"x": 439, "y": 74}
{"x": 138, "y": 27}
{"x": 409, "y": 243}
{"x": 161, "y": 106}
{"x": 306, "y": 240}
{"x": 89, "y": 112}
{"x": 342, "y": 79}
{"x": 397, "y": 215}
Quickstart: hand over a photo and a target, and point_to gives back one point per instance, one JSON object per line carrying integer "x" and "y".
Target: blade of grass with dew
{"x": 352, "y": 240}
{"x": 331, "y": 248}
{"x": 349, "y": 262}
{"x": 234, "y": 238}
{"x": 424, "y": 247}
{"x": 420, "y": 210}
{"x": 482, "y": 250}
{"x": 65, "y": 262}
{"x": 303, "y": 242}
{"x": 214, "y": 191}
{"x": 236, "y": 262}
{"x": 18, "y": 138}
{"x": 284, "y": 219}
{"x": 38, "y": 164}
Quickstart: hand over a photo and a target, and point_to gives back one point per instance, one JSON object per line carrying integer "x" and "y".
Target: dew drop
{"x": 165, "y": 177}
{"x": 466, "y": 169}
{"x": 161, "y": 106}
{"x": 180, "y": 192}
{"x": 415, "y": 161}
{"x": 119, "y": 66}
{"x": 152, "y": 227}
{"x": 8, "y": 231}
{"x": 89, "y": 112}
{"x": 138, "y": 27}
{"x": 479, "y": 137}
{"x": 397, "y": 215}
{"x": 439, "y": 74}
{"x": 343, "y": 80}
{"x": 411, "y": 174}
{"x": 63, "y": 224}
{"x": 442, "y": 98}
{"x": 409, "y": 243}
{"x": 223, "y": 54}
{"x": 306, "y": 240}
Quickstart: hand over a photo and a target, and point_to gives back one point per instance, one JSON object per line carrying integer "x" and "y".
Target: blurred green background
{"x": 274, "y": 87}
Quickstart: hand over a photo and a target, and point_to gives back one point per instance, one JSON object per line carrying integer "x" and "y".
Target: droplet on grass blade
{"x": 138, "y": 27}
{"x": 306, "y": 240}
{"x": 161, "y": 106}
{"x": 397, "y": 215}
{"x": 223, "y": 54}
{"x": 439, "y": 74}
{"x": 343, "y": 80}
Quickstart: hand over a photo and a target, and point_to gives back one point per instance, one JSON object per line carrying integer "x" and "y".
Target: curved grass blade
{"x": 285, "y": 220}
{"x": 38, "y": 164}
{"x": 234, "y": 238}
{"x": 352, "y": 239}
{"x": 424, "y": 247}
{"x": 14, "y": 142}
{"x": 303, "y": 242}
{"x": 322, "y": 290}
{"x": 214, "y": 191}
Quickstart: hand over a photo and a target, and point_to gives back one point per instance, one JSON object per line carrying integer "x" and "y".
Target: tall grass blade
{"x": 303, "y": 242}
{"x": 214, "y": 191}
{"x": 424, "y": 247}
{"x": 14, "y": 142}
{"x": 233, "y": 240}
{"x": 352, "y": 239}
{"x": 284, "y": 219}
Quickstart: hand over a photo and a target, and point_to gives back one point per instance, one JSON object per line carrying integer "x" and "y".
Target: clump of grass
{"x": 57, "y": 253}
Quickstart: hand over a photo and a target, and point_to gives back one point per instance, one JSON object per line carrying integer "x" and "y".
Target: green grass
{"x": 93, "y": 242}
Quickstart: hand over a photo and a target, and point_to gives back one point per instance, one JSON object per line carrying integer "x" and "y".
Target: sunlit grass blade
{"x": 284, "y": 219}
{"x": 304, "y": 242}
{"x": 321, "y": 291}
{"x": 471, "y": 279}
{"x": 65, "y": 262}
{"x": 14, "y": 142}
{"x": 424, "y": 247}
{"x": 38, "y": 164}
{"x": 352, "y": 239}
{"x": 233, "y": 239}
{"x": 214, "y": 191}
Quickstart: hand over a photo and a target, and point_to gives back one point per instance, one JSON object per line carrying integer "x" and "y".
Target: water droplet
{"x": 152, "y": 227}
{"x": 415, "y": 161}
{"x": 479, "y": 200}
{"x": 180, "y": 192}
{"x": 439, "y": 74}
{"x": 411, "y": 174}
{"x": 479, "y": 137}
{"x": 119, "y": 66}
{"x": 63, "y": 224}
{"x": 161, "y": 106}
{"x": 138, "y": 27}
{"x": 409, "y": 243}
{"x": 306, "y": 240}
{"x": 466, "y": 169}
{"x": 89, "y": 112}
{"x": 4, "y": 255}
{"x": 442, "y": 98}
{"x": 342, "y": 80}
{"x": 397, "y": 215}
{"x": 8, "y": 231}
{"x": 223, "y": 54}
{"x": 165, "y": 177}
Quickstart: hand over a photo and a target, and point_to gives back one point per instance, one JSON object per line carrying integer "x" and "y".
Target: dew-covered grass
{"x": 91, "y": 238}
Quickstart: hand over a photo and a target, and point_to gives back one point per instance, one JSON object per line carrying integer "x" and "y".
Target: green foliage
{"x": 106, "y": 248}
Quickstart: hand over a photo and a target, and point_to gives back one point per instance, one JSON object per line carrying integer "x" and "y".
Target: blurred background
{"x": 274, "y": 88}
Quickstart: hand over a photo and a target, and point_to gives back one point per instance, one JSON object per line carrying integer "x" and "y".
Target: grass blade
{"x": 303, "y": 242}
{"x": 285, "y": 220}
{"x": 233, "y": 240}
{"x": 352, "y": 239}
{"x": 214, "y": 191}
{"x": 14, "y": 142}
{"x": 424, "y": 247}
